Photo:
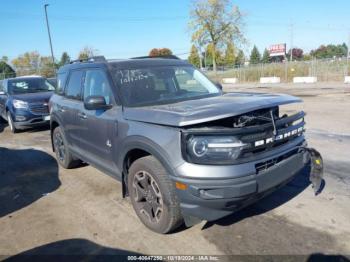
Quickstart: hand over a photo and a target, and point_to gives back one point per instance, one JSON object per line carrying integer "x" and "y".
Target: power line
{"x": 91, "y": 18}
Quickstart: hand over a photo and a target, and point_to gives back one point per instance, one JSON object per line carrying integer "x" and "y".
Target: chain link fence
{"x": 326, "y": 70}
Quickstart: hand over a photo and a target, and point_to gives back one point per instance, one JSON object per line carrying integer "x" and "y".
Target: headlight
{"x": 20, "y": 104}
{"x": 213, "y": 150}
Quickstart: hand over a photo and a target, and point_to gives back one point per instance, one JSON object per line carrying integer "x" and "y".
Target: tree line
{"x": 33, "y": 62}
{"x": 232, "y": 57}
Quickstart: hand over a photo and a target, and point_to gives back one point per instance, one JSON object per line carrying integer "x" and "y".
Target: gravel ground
{"x": 47, "y": 210}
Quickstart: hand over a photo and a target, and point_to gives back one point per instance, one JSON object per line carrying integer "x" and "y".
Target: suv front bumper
{"x": 28, "y": 120}
{"x": 211, "y": 199}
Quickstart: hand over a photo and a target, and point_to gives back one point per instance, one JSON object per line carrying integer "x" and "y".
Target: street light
{"x": 48, "y": 31}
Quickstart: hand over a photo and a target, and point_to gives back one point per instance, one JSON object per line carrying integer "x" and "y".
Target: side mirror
{"x": 96, "y": 103}
{"x": 2, "y": 93}
{"x": 218, "y": 85}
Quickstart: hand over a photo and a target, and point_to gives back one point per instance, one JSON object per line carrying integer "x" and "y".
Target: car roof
{"x": 119, "y": 64}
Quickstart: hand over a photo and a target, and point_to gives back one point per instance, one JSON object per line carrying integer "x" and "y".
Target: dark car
{"x": 24, "y": 101}
{"x": 183, "y": 149}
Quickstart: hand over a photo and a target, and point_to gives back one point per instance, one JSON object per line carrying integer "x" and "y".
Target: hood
{"x": 33, "y": 97}
{"x": 198, "y": 111}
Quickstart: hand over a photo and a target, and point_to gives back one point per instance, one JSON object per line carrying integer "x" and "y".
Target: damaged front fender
{"x": 316, "y": 172}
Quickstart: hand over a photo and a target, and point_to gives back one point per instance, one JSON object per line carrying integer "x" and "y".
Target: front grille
{"x": 263, "y": 166}
{"x": 288, "y": 129}
{"x": 39, "y": 108}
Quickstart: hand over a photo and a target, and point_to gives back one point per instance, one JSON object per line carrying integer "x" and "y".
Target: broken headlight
{"x": 213, "y": 149}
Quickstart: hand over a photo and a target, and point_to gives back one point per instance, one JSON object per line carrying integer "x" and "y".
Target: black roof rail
{"x": 161, "y": 56}
{"x": 89, "y": 59}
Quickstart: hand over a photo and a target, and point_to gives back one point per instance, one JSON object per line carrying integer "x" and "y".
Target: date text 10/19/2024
{"x": 173, "y": 258}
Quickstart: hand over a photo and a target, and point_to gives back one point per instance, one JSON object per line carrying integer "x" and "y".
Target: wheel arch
{"x": 136, "y": 147}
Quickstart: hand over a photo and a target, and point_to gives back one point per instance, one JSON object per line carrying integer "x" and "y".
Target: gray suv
{"x": 183, "y": 150}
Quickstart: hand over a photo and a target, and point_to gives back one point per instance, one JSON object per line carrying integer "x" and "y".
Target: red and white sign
{"x": 278, "y": 50}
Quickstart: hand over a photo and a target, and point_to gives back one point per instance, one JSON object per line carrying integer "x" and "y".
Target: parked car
{"x": 183, "y": 150}
{"x": 24, "y": 101}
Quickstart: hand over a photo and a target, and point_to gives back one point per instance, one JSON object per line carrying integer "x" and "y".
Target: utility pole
{"x": 291, "y": 41}
{"x": 48, "y": 31}
{"x": 348, "y": 57}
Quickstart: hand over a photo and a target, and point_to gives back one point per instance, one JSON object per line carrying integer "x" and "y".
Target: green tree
{"x": 28, "y": 63}
{"x": 230, "y": 55}
{"x": 255, "y": 56}
{"x": 65, "y": 59}
{"x": 330, "y": 51}
{"x": 6, "y": 71}
{"x": 33, "y": 63}
{"x": 220, "y": 60}
{"x": 165, "y": 52}
{"x": 240, "y": 59}
{"x": 215, "y": 22}
{"x": 194, "y": 57}
{"x": 266, "y": 57}
{"x": 86, "y": 53}
{"x": 307, "y": 57}
{"x": 47, "y": 68}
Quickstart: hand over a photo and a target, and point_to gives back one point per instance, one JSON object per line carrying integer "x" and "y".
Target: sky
{"x": 121, "y": 29}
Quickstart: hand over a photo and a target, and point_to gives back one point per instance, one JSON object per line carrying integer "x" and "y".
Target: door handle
{"x": 82, "y": 115}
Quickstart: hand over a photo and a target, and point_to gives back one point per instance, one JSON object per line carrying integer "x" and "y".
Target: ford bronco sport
{"x": 183, "y": 150}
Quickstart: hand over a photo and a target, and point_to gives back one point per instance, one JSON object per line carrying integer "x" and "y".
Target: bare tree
{"x": 216, "y": 22}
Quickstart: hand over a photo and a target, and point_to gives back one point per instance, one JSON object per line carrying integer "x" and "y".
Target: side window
{"x": 96, "y": 84}
{"x": 73, "y": 89}
{"x": 1, "y": 86}
{"x": 61, "y": 80}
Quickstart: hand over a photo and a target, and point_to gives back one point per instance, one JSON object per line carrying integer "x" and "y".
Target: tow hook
{"x": 316, "y": 172}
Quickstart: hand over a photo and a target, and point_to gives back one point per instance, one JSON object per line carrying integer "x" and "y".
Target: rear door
{"x": 70, "y": 106}
{"x": 100, "y": 126}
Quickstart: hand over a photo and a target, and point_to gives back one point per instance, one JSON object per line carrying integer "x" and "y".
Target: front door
{"x": 100, "y": 125}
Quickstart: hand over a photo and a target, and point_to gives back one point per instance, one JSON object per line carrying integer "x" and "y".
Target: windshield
{"x": 162, "y": 85}
{"x": 29, "y": 85}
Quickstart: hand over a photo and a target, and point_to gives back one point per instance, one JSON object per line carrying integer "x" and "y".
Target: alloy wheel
{"x": 147, "y": 196}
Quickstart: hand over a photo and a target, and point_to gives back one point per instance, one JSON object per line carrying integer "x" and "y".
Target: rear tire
{"x": 11, "y": 124}
{"x": 63, "y": 155}
{"x": 153, "y": 195}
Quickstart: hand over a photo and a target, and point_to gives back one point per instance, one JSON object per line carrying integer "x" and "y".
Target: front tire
{"x": 11, "y": 124}
{"x": 153, "y": 196}
{"x": 63, "y": 155}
